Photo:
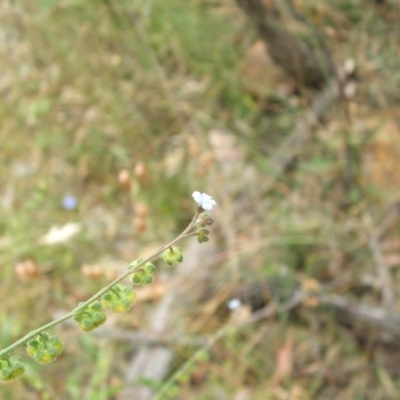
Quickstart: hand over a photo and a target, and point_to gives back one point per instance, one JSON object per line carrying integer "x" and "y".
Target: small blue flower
{"x": 69, "y": 202}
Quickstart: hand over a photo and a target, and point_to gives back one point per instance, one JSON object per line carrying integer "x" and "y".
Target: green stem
{"x": 100, "y": 293}
{"x": 116, "y": 292}
{"x": 188, "y": 364}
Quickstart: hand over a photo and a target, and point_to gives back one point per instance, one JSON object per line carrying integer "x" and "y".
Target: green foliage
{"x": 118, "y": 298}
{"x": 96, "y": 87}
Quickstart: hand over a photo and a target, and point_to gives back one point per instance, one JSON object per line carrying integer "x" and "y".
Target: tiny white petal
{"x": 197, "y": 196}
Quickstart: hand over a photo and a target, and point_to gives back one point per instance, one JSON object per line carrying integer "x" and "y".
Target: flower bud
{"x": 202, "y": 235}
{"x": 27, "y": 270}
{"x": 205, "y": 219}
{"x": 141, "y": 173}
{"x": 124, "y": 179}
{"x": 141, "y": 210}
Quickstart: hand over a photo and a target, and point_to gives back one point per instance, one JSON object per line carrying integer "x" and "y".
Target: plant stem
{"x": 96, "y": 296}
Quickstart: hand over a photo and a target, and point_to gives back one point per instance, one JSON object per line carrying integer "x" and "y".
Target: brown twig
{"x": 293, "y": 145}
{"x": 376, "y": 317}
{"x": 305, "y": 57}
{"x": 387, "y": 289}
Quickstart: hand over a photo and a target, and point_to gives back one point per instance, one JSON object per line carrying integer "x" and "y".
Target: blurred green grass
{"x": 91, "y": 88}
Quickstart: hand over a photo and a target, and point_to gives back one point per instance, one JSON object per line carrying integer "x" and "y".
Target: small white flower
{"x": 60, "y": 234}
{"x": 234, "y": 304}
{"x": 205, "y": 201}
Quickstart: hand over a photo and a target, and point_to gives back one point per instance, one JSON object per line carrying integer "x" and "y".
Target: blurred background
{"x": 286, "y": 112}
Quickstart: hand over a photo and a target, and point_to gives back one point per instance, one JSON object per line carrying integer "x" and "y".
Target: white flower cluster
{"x": 205, "y": 201}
